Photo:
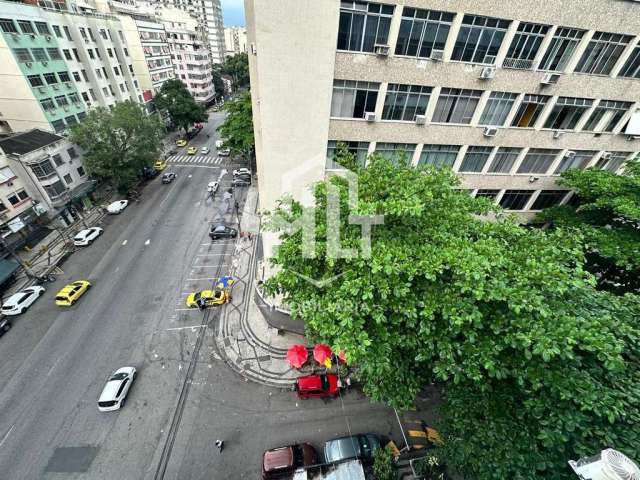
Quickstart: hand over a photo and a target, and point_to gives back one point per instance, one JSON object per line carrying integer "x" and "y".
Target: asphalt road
{"x": 55, "y": 361}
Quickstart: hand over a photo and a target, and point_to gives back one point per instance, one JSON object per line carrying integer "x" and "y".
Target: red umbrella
{"x": 321, "y": 353}
{"x": 297, "y": 355}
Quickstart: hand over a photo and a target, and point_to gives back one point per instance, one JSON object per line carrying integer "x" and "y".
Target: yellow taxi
{"x": 160, "y": 165}
{"x": 181, "y": 142}
{"x": 71, "y": 293}
{"x": 192, "y": 150}
{"x": 208, "y": 298}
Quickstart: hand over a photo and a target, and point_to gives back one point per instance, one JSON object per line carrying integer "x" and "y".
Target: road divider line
{"x": 6, "y": 435}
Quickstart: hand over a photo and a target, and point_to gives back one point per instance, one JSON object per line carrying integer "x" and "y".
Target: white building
{"x": 235, "y": 40}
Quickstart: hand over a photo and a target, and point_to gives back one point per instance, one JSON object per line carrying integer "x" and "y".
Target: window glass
{"x": 359, "y": 149}
{"x": 404, "y": 102}
{"x": 602, "y": 53}
{"x": 25, "y": 26}
{"x": 579, "y": 159}
{"x": 525, "y": 45}
{"x": 353, "y": 99}
{"x": 566, "y": 113}
{"x": 39, "y": 55}
{"x": 42, "y": 28}
{"x": 396, "y": 151}
{"x": 7, "y": 25}
{"x": 606, "y": 116}
{"x": 548, "y": 198}
{"x": 474, "y": 159}
{"x": 362, "y": 25}
{"x": 456, "y": 105}
{"x": 35, "y": 80}
{"x": 487, "y": 193}
{"x": 631, "y": 68}
{"x": 439, "y": 155}
{"x": 23, "y": 55}
{"x": 538, "y": 160}
{"x": 515, "y": 199}
{"x": 561, "y": 48}
{"x": 504, "y": 159}
{"x": 422, "y": 31}
{"x": 479, "y": 39}
{"x": 497, "y": 108}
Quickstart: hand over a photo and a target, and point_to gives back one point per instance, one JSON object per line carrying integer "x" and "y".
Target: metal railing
{"x": 517, "y": 63}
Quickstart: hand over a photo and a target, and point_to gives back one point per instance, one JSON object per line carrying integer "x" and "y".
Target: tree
{"x": 177, "y": 101}
{"x": 218, "y": 83}
{"x": 383, "y": 467}
{"x": 237, "y": 66}
{"x": 237, "y": 129}
{"x": 118, "y": 143}
{"x": 607, "y": 216}
{"x": 493, "y": 312}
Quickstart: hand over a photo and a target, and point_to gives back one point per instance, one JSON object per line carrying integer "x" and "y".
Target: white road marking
{"x": 147, "y": 242}
{"x": 53, "y": 366}
{"x": 124, "y": 243}
{"x": 193, "y": 327}
{"x": 6, "y": 435}
{"x": 185, "y": 309}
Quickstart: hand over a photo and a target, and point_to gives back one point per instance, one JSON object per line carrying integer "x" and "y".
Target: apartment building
{"x": 58, "y": 64}
{"x": 189, "y": 53}
{"x": 235, "y": 40}
{"x": 507, "y": 94}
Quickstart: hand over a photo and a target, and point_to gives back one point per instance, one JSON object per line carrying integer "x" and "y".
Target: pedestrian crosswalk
{"x": 201, "y": 159}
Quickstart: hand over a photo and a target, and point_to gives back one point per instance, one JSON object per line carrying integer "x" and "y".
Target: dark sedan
{"x": 222, "y": 231}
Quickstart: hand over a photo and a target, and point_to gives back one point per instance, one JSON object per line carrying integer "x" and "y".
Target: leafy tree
{"x": 383, "y": 467}
{"x": 218, "y": 84}
{"x": 237, "y": 66}
{"x": 490, "y": 310}
{"x": 237, "y": 129}
{"x": 177, "y": 101}
{"x": 118, "y": 143}
{"x": 607, "y": 216}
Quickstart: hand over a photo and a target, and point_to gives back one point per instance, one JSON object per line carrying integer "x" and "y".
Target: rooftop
{"x": 25, "y": 142}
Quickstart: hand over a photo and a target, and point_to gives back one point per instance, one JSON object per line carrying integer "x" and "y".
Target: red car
{"x": 317, "y": 386}
{"x": 282, "y": 462}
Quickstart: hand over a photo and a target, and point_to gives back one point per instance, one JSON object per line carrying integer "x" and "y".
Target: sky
{"x": 233, "y": 12}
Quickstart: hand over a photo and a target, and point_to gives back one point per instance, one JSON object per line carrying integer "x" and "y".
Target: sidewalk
{"x": 245, "y": 340}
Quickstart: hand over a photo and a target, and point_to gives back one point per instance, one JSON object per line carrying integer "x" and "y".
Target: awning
{"x": 7, "y": 268}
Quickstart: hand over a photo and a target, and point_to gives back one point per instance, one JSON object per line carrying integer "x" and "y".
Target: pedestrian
{"x": 220, "y": 445}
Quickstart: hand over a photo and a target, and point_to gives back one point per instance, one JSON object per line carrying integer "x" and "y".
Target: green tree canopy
{"x": 237, "y": 129}
{"x": 177, "y": 101}
{"x": 118, "y": 143}
{"x": 490, "y": 310}
{"x": 237, "y": 67}
{"x": 218, "y": 84}
{"x": 607, "y": 216}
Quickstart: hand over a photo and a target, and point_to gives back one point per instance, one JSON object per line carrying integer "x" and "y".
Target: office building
{"x": 235, "y": 40}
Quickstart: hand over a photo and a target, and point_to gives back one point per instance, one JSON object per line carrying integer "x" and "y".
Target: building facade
{"x": 508, "y": 95}
{"x": 57, "y": 64}
{"x": 235, "y": 40}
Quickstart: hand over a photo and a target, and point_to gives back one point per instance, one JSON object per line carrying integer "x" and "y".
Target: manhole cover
{"x": 71, "y": 459}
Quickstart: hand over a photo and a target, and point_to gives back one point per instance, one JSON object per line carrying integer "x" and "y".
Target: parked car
{"x": 70, "y": 293}
{"x": 87, "y": 236}
{"x": 117, "y": 207}
{"x": 225, "y": 152}
{"x": 168, "y": 177}
{"x": 5, "y": 326}
{"x": 241, "y": 182}
{"x": 116, "y": 389}
{"x": 241, "y": 171}
{"x": 173, "y": 151}
{"x": 181, "y": 142}
{"x": 192, "y": 150}
{"x": 361, "y": 447}
{"x": 160, "y": 165}
{"x": 282, "y": 462}
{"x": 205, "y": 150}
{"x": 212, "y": 187}
{"x": 317, "y": 386}
{"x": 222, "y": 231}
{"x": 19, "y": 302}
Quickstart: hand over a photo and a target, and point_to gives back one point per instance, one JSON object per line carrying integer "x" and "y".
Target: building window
{"x": 22, "y": 54}
{"x": 120, "y": 35}
{"x": 567, "y": 112}
{"x": 67, "y": 54}
{"x": 64, "y": 76}
{"x": 487, "y": 193}
{"x": 85, "y": 97}
{"x": 17, "y": 197}
{"x": 68, "y": 180}
{"x": 93, "y": 39}
{"x": 456, "y": 105}
{"x": 126, "y": 52}
{"x": 47, "y": 104}
{"x": 58, "y": 125}
{"x": 91, "y": 55}
{"x": 81, "y": 171}
{"x": 606, "y": 116}
{"x": 50, "y": 78}
{"x": 104, "y": 71}
{"x": 548, "y": 199}
{"x": 84, "y": 75}
{"x": 7, "y": 25}
{"x": 561, "y": 48}
{"x": 363, "y": 25}
{"x": 110, "y": 52}
{"x": 504, "y": 159}
{"x": 579, "y": 160}
{"x": 475, "y": 159}
{"x": 56, "y": 190}
{"x": 497, "y": 109}
{"x": 43, "y": 28}
{"x": 396, "y": 151}
{"x": 116, "y": 70}
{"x": 111, "y": 89}
{"x": 39, "y": 55}
{"x": 72, "y": 152}
{"x": 35, "y": 80}
{"x": 57, "y": 159}
{"x": 74, "y": 98}
{"x": 76, "y": 76}
{"x": 43, "y": 170}
{"x": 358, "y": 149}
{"x": 353, "y": 99}
{"x": 525, "y": 45}
{"x": 439, "y": 156}
{"x": 75, "y": 54}
{"x": 404, "y": 102}
{"x": 422, "y": 31}
{"x": 26, "y": 27}
{"x": 54, "y": 54}
{"x": 67, "y": 33}
{"x": 602, "y": 53}
{"x": 71, "y": 120}
{"x": 81, "y": 116}
{"x": 515, "y": 199}
{"x": 103, "y": 33}
{"x": 538, "y": 160}
{"x": 93, "y": 95}
{"x": 61, "y": 100}
{"x": 529, "y": 110}
{"x": 98, "y": 54}
{"x": 479, "y": 39}
{"x": 122, "y": 87}
{"x": 612, "y": 161}
{"x": 98, "y": 73}
{"x": 56, "y": 30}
{"x": 631, "y": 68}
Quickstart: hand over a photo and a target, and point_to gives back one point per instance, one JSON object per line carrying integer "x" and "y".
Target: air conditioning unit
{"x": 47, "y": 38}
{"x": 487, "y": 72}
{"x": 570, "y": 154}
{"x": 605, "y": 156}
{"x": 421, "y": 119}
{"x": 381, "y": 50}
{"x": 44, "y": 63}
{"x": 41, "y": 89}
{"x": 370, "y": 116}
{"x": 557, "y": 134}
{"x": 609, "y": 465}
{"x": 28, "y": 64}
{"x": 437, "y": 55}
{"x": 490, "y": 131}
{"x": 550, "y": 78}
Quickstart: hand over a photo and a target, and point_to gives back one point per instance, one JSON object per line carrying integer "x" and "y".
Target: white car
{"x": 241, "y": 171}
{"x": 204, "y": 150}
{"x": 219, "y": 144}
{"x": 85, "y": 237}
{"x": 19, "y": 302}
{"x": 117, "y": 207}
{"x": 225, "y": 152}
{"x": 212, "y": 187}
{"x": 115, "y": 391}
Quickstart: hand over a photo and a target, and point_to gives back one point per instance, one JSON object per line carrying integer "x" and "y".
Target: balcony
{"x": 517, "y": 63}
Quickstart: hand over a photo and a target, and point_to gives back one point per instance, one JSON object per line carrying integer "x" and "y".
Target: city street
{"x": 56, "y": 360}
